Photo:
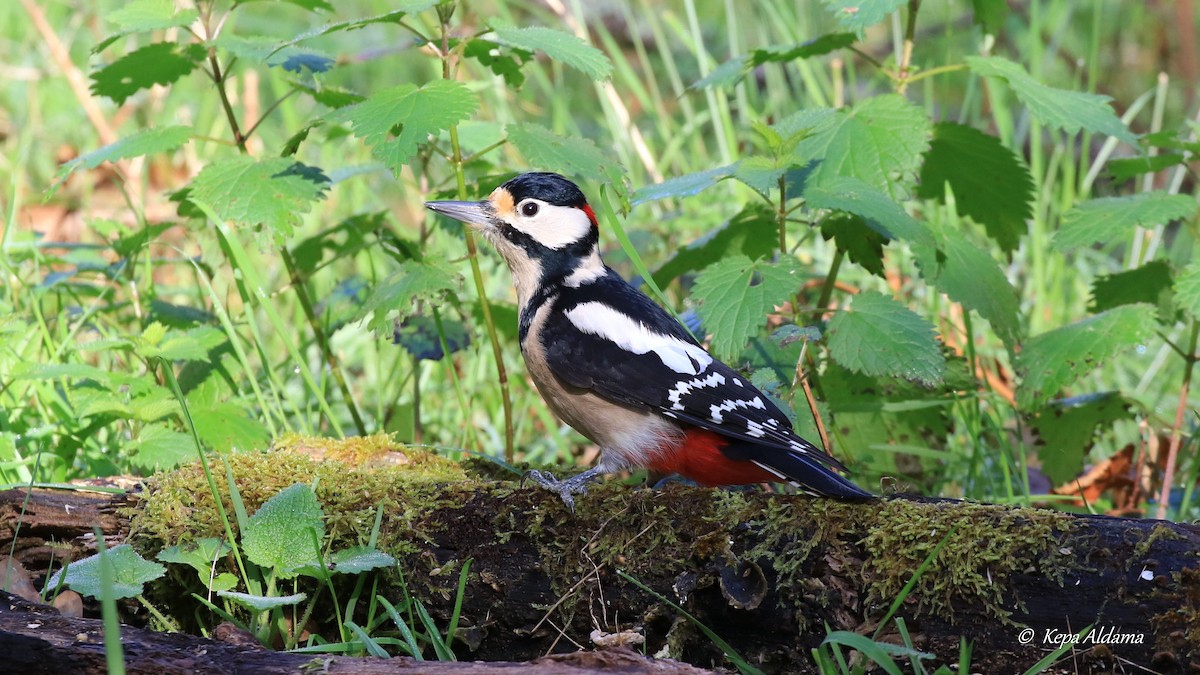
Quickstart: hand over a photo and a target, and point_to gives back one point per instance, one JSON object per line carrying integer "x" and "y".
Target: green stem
{"x": 335, "y": 367}
{"x": 782, "y": 214}
{"x": 456, "y": 159}
{"x": 1177, "y": 428}
{"x": 827, "y": 289}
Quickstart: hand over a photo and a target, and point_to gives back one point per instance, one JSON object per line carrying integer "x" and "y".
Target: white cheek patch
{"x": 554, "y": 226}
{"x": 595, "y": 318}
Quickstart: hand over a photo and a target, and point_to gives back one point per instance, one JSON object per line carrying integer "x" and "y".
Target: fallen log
{"x": 767, "y": 573}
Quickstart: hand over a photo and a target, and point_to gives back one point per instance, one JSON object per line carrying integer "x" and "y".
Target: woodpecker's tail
{"x": 811, "y": 475}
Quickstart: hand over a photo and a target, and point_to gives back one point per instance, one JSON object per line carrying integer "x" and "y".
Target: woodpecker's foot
{"x": 566, "y": 488}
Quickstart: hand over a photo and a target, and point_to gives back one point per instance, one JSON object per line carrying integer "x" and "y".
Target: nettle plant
{"x": 866, "y": 371}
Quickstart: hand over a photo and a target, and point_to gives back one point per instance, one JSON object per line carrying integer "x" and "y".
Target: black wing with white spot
{"x": 640, "y": 356}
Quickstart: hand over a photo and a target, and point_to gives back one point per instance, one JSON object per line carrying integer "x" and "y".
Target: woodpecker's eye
{"x": 529, "y": 209}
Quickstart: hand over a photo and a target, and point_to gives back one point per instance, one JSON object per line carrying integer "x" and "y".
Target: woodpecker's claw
{"x": 565, "y": 488}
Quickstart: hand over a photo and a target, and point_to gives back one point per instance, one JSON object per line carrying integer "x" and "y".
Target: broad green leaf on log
{"x": 280, "y": 535}
{"x": 130, "y": 573}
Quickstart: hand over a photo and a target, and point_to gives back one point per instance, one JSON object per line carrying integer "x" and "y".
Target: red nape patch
{"x": 587, "y": 208}
{"x": 698, "y": 457}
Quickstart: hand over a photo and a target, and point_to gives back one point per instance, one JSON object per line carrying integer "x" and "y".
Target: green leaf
{"x": 860, "y": 242}
{"x": 278, "y": 535}
{"x": 559, "y": 46}
{"x": 1103, "y": 220}
{"x": 502, "y": 60}
{"x": 732, "y": 71}
{"x": 879, "y": 336}
{"x": 1151, "y": 283}
{"x": 140, "y": 16}
{"x": 156, "y": 63}
{"x": 857, "y": 15}
{"x": 880, "y": 141}
{"x": 970, "y": 276}
{"x": 130, "y": 573}
{"x": 882, "y": 213}
{"x": 1060, "y": 108}
{"x": 1187, "y": 288}
{"x": 1124, "y": 169}
{"x": 399, "y": 11}
{"x": 394, "y": 122}
{"x": 413, "y": 280}
{"x": 683, "y": 186}
{"x": 355, "y": 560}
{"x": 222, "y": 421}
{"x": 201, "y": 557}
{"x": 574, "y": 156}
{"x": 1051, "y": 361}
{"x": 160, "y": 447}
{"x": 990, "y": 184}
{"x": 273, "y": 192}
{"x": 736, "y": 294}
{"x": 752, "y": 233}
{"x": 262, "y": 603}
{"x": 1068, "y": 429}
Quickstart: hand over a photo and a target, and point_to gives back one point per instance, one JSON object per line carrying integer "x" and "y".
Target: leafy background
{"x": 973, "y": 258}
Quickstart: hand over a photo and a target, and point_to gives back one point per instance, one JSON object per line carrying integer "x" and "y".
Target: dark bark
{"x": 767, "y": 573}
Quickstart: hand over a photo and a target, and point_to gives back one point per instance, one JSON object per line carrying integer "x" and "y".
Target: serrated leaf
{"x": 1103, "y": 220}
{"x": 882, "y": 213}
{"x": 1068, "y": 429}
{"x": 412, "y": 280}
{"x": 274, "y": 192}
{"x": 682, "y": 186}
{"x": 156, "y": 63}
{"x": 857, "y": 15}
{"x": 559, "y": 46}
{"x": 752, "y": 233}
{"x": 735, "y": 295}
{"x": 279, "y": 535}
{"x": 502, "y": 60}
{"x": 574, "y": 156}
{"x": 1124, "y": 169}
{"x": 226, "y": 427}
{"x": 145, "y": 142}
{"x": 160, "y": 447}
{"x": 878, "y": 336}
{"x": 1151, "y": 283}
{"x": 398, "y": 12}
{"x": 140, "y": 16}
{"x": 1055, "y": 359}
{"x": 394, "y": 122}
{"x": 970, "y": 276}
{"x": 262, "y": 603}
{"x": 880, "y": 141}
{"x": 1187, "y": 288}
{"x": 130, "y": 573}
{"x": 1063, "y": 109}
{"x": 990, "y": 184}
{"x": 860, "y": 242}
{"x": 732, "y": 71}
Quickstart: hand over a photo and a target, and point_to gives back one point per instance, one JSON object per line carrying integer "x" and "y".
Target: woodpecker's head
{"x": 541, "y": 225}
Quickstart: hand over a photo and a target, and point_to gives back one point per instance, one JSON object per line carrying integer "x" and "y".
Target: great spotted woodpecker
{"x": 621, "y": 370}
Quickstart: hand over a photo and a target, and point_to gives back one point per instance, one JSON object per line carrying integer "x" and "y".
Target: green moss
{"x": 355, "y": 477}
{"x": 989, "y": 544}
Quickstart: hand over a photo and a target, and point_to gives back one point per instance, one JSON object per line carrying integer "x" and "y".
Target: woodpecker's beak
{"x": 471, "y": 213}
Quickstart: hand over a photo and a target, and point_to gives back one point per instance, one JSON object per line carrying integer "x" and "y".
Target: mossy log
{"x": 767, "y": 573}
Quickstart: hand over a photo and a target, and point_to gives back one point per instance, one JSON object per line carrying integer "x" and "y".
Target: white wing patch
{"x": 685, "y": 387}
{"x": 597, "y": 318}
{"x": 715, "y": 412}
